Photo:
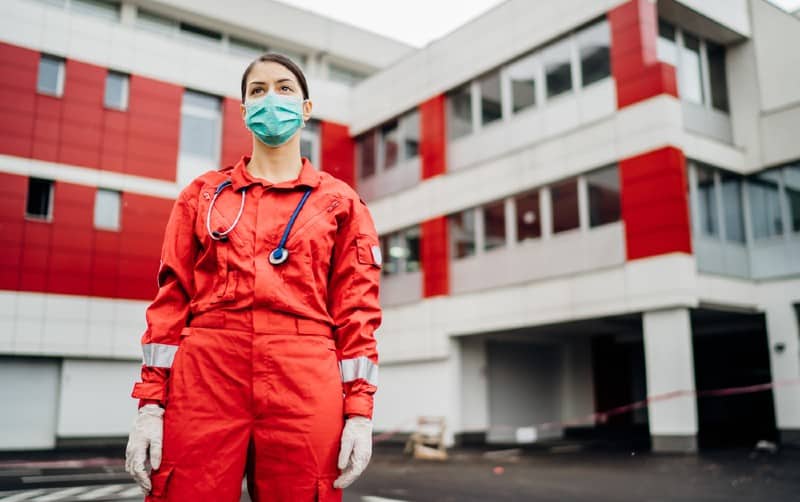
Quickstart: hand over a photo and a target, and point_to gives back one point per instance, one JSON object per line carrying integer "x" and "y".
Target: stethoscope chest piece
{"x": 278, "y": 256}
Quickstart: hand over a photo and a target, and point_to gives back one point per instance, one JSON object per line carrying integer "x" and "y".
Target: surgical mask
{"x": 274, "y": 118}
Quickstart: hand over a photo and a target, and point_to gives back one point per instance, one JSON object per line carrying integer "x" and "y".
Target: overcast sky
{"x": 416, "y": 22}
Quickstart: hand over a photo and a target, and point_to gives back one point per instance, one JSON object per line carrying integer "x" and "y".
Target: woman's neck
{"x": 276, "y": 164}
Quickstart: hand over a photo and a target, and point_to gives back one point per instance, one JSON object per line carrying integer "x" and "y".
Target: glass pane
{"x": 410, "y": 125}
{"x": 594, "y": 43}
{"x": 344, "y": 75}
{"x": 309, "y": 139}
{"x": 390, "y": 139}
{"x": 199, "y": 136}
{"x": 603, "y": 186}
{"x": 39, "y": 195}
{"x": 366, "y": 154}
{"x": 765, "y": 205}
{"x": 791, "y": 176}
{"x": 97, "y": 8}
{"x": 491, "y": 108}
{"x": 717, "y": 77}
{"x": 732, "y": 206}
{"x": 707, "y": 200}
{"x": 106, "y": 209}
{"x": 523, "y": 83}
{"x": 459, "y": 112}
{"x": 690, "y": 80}
{"x": 155, "y": 22}
{"x": 49, "y": 79}
{"x": 389, "y": 264}
{"x": 666, "y": 48}
{"x": 245, "y": 48}
{"x": 462, "y": 233}
{"x": 201, "y": 34}
{"x": 412, "y": 244}
{"x": 200, "y": 101}
{"x": 116, "y": 94}
{"x": 494, "y": 225}
{"x": 557, "y": 68}
{"x": 527, "y": 207}
{"x": 565, "y": 205}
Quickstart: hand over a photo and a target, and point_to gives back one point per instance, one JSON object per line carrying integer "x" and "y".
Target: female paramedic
{"x": 259, "y": 354}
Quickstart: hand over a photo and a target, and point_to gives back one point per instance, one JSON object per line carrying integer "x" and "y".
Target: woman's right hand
{"x": 147, "y": 433}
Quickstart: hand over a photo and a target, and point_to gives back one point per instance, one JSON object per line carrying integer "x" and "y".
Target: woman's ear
{"x": 243, "y": 110}
{"x": 307, "y": 106}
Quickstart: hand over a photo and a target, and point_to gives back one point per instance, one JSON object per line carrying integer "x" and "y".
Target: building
{"x": 580, "y": 206}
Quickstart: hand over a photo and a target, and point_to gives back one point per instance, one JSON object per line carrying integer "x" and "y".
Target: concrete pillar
{"x": 784, "y": 349}
{"x": 670, "y": 367}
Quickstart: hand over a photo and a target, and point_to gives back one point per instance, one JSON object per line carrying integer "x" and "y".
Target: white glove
{"x": 356, "y": 450}
{"x": 147, "y": 431}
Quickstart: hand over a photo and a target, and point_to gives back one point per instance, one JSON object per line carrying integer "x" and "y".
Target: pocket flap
{"x": 368, "y": 251}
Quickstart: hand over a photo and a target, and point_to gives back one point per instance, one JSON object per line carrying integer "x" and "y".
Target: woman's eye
{"x": 256, "y": 90}
{"x": 286, "y": 88}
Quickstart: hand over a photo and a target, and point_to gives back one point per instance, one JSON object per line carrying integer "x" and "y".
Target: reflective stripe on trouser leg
{"x": 159, "y": 355}
{"x": 360, "y": 367}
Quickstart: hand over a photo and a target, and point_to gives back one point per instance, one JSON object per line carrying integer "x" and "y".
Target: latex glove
{"x": 147, "y": 432}
{"x": 356, "y": 450}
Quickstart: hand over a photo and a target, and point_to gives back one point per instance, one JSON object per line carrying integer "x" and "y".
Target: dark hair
{"x": 281, "y": 60}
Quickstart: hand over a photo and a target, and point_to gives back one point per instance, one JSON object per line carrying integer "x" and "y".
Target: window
{"x": 106, "y": 209}
{"x": 390, "y": 144}
{"x": 116, "y": 95}
{"x": 557, "y": 68}
{"x": 791, "y": 175}
{"x": 401, "y": 250}
{"x": 765, "y": 206}
{"x": 51, "y": 75}
{"x": 97, "y": 8}
{"x": 409, "y": 125}
{"x": 733, "y": 214}
{"x": 156, "y": 23}
{"x": 309, "y": 142}
{"x": 200, "y": 34}
{"x": 491, "y": 107}
{"x": 717, "y": 77}
{"x": 564, "y": 197}
{"x": 40, "y": 199}
{"x": 522, "y": 74}
{"x": 527, "y": 208}
{"x": 245, "y": 48}
{"x": 690, "y": 78}
{"x": 200, "y": 134}
{"x": 494, "y": 225}
{"x": 459, "y": 112}
{"x": 462, "y": 232}
{"x": 344, "y": 75}
{"x": 603, "y": 187}
{"x": 666, "y": 48}
{"x": 594, "y": 44}
{"x": 365, "y": 148}
{"x": 707, "y": 201}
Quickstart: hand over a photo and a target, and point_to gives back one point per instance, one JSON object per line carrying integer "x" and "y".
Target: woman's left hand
{"x": 356, "y": 450}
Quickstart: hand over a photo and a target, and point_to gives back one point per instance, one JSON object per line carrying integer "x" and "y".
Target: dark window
{"x": 765, "y": 204}
{"x": 707, "y": 201}
{"x": 462, "y": 233}
{"x": 40, "y": 197}
{"x": 523, "y": 83}
{"x": 366, "y": 154}
{"x": 390, "y": 137}
{"x": 528, "y": 226}
{"x": 594, "y": 43}
{"x": 603, "y": 187}
{"x": 491, "y": 108}
{"x": 717, "y": 78}
{"x": 494, "y": 225}
{"x": 557, "y": 68}
{"x": 666, "y": 47}
{"x": 792, "y": 181}
{"x": 459, "y": 112}
{"x": 732, "y": 206}
{"x": 565, "y": 205}
{"x": 200, "y": 33}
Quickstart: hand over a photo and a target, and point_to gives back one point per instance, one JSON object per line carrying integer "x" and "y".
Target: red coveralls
{"x": 258, "y": 365}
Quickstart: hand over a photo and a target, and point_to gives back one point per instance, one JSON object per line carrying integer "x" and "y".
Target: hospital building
{"x": 581, "y": 204}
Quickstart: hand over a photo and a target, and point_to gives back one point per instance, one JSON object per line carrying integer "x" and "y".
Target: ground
{"x": 562, "y": 473}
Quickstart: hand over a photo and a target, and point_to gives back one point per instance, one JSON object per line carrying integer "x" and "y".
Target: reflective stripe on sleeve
{"x": 159, "y": 355}
{"x": 360, "y": 367}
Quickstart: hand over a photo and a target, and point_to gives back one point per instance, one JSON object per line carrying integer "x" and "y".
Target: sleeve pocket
{"x": 368, "y": 251}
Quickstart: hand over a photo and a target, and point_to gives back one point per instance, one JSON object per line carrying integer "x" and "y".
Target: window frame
{"x": 61, "y": 75}
{"x": 117, "y": 226}
{"x": 125, "y": 91}
{"x": 47, "y": 218}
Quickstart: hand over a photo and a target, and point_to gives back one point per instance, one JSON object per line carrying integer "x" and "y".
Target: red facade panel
{"x": 637, "y": 72}
{"x": 338, "y": 152}
{"x": 433, "y": 137}
{"x": 435, "y": 257}
{"x": 655, "y": 206}
{"x": 236, "y": 139}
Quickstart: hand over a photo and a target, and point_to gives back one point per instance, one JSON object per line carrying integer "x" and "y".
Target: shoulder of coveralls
{"x": 335, "y": 185}
{"x": 191, "y": 192}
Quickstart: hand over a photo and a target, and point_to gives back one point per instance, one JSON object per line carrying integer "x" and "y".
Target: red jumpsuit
{"x": 258, "y": 365}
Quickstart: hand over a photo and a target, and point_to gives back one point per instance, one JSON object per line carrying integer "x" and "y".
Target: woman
{"x": 259, "y": 354}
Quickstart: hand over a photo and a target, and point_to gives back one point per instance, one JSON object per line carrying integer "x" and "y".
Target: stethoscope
{"x": 279, "y": 254}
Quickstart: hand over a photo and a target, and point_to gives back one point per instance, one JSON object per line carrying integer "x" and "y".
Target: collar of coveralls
{"x": 241, "y": 177}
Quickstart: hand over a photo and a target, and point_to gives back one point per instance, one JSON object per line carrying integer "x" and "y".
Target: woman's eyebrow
{"x": 285, "y": 79}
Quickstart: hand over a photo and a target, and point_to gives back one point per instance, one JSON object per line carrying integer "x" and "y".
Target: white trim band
{"x": 158, "y": 355}
{"x": 360, "y": 367}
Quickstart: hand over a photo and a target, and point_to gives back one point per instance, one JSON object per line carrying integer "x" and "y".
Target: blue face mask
{"x": 274, "y": 118}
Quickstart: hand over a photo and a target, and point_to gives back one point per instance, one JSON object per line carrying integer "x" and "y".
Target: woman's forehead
{"x": 269, "y": 71}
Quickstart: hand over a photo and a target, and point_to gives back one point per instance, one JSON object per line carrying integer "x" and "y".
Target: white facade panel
{"x": 30, "y": 405}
